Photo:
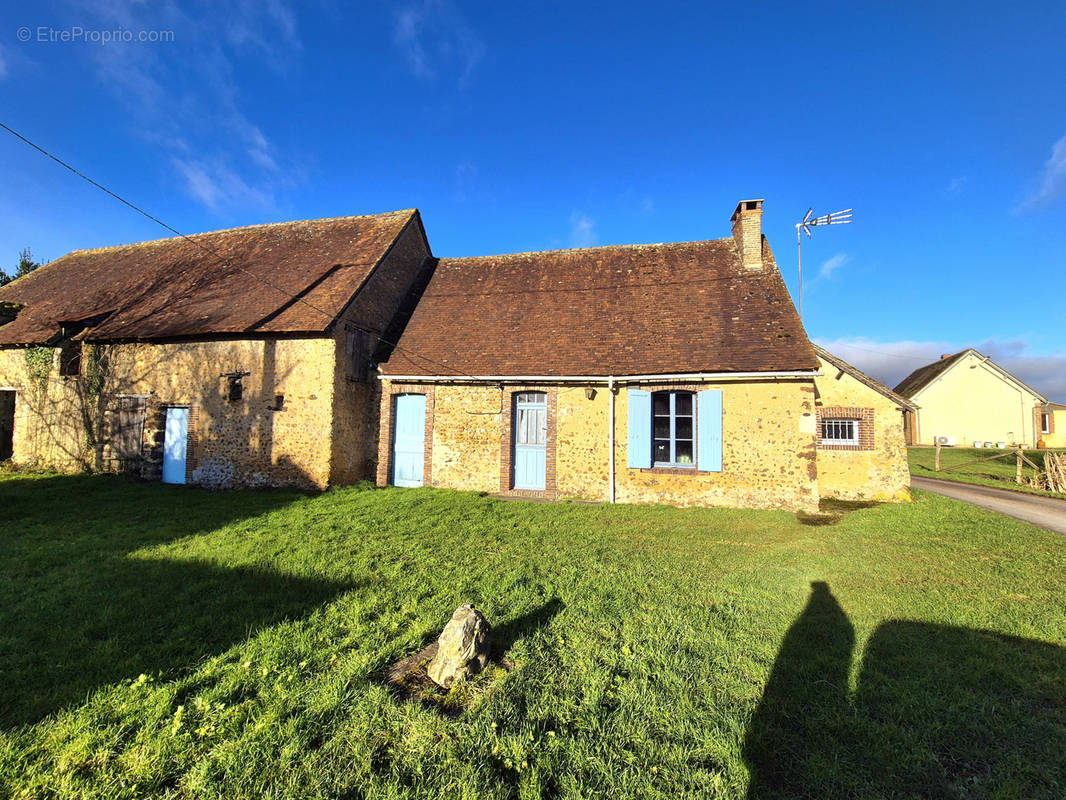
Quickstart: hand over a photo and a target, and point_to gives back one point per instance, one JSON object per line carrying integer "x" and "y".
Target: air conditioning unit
{"x": 946, "y": 441}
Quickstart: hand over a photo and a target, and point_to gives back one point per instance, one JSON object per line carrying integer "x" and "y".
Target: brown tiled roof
{"x": 631, "y": 310}
{"x": 862, "y": 377}
{"x": 923, "y": 376}
{"x": 174, "y": 288}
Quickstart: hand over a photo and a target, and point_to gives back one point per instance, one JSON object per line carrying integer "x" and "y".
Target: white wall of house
{"x": 973, "y": 401}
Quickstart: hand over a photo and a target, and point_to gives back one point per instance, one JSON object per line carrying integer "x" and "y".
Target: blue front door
{"x": 175, "y": 445}
{"x": 409, "y": 439}
{"x": 530, "y": 439}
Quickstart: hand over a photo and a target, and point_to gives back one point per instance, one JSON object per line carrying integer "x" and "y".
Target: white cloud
{"x": 218, "y": 187}
{"x": 182, "y": 95}
{"x": 891, "y": 362}
{"x": 582, "y": 231}
{"x": 831, "y": 265}
{"x": 434, "y": 38}
{"x": 955, "y": 186}
{"x": 1052, "y": 181}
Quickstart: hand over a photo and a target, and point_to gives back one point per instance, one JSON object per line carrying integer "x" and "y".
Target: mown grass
{"x": 167, "y": 642}
{"x": 1000, "y": 473}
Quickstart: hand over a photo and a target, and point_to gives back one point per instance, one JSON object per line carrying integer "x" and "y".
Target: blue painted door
{"x": 175, "y": 445}
{"x": 530, "y": 439}
{"x": 409, "y": 439}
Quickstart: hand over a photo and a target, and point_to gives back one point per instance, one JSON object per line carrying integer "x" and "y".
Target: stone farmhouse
{"x": 668, "y": 373}
{"x": 333, "y": 351}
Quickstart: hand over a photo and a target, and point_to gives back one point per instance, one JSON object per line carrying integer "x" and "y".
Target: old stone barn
{"x": 237, "y": 358}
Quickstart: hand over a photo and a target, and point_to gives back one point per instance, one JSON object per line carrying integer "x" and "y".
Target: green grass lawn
{"x": 167, "y": 642}
{"x": 1000, "y": 473}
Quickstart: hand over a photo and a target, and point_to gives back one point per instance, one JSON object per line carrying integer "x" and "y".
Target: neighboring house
{"x": 236, "y": 358}
{"x": 667, "y": 373}
{"x": 1051, "y": 425}
{"x": 862, "y": 449}
{"x": 966, "y": 399}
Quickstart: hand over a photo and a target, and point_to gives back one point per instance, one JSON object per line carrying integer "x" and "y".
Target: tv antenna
{"x": 805, "y": 225}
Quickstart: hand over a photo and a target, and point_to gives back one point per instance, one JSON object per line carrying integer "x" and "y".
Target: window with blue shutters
{"x": 673, "y": 417}
{"x": 675, "y": 429}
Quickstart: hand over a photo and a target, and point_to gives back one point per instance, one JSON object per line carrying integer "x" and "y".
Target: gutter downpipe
{"x": 610, "y": 437}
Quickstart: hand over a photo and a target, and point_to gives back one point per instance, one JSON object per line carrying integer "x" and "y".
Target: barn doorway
{"x": 7, "y": 425}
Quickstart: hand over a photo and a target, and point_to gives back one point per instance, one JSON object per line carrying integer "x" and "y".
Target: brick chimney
{"x": 747, "y": 232}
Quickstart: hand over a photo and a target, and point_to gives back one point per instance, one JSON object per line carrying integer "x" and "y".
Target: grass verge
{"x": 167, "y": 642}
{"x": 999, "y": 473}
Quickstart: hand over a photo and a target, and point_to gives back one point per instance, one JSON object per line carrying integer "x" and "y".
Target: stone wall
{"x": 251, "y": 442}
{"x": 355, "y": 420}
{"x": 768, "y": 449}
{"x": 876, "y": 468}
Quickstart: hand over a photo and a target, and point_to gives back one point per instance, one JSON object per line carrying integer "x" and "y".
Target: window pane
{"x": 540, "y": 433}
{"x": 662, "y": 451}
{"x": 661, "y": 403}
{"x": 684, "y": 452}
{"x": 662, "y": 428}
{"x": 683, "y": 403}
{"x": 683, "y": 428}
{"x": 522, "y": 426}
{"x": 840, "y": 431}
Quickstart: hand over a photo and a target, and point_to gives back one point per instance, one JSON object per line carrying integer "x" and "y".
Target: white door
{"x": 175, "y": 444}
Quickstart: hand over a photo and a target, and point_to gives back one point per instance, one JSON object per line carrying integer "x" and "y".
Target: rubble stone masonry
{"x": 876, "y": 468}
{"x": 768, "y": 448}
{"x": 61, "y": 423}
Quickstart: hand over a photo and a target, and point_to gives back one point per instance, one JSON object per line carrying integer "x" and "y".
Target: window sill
{"x": 675, "y": 471}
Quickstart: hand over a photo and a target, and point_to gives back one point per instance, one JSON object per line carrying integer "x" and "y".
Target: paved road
{"x": 1046, "y": 512}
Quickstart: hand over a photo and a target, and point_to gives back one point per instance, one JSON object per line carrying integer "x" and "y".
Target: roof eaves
{"x": 862, "y": 377}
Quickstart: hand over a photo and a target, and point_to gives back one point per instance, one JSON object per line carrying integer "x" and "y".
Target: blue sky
{"x": 556, "y": 125}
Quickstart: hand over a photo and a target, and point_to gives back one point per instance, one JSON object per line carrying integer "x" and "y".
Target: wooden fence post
{"x": 1018, "y": 479}
{"x": 937, "y": 465}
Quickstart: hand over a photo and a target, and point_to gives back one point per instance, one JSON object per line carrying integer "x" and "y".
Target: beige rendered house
{"x": 1051, "y": 425}
{"x": 967, "y": 400}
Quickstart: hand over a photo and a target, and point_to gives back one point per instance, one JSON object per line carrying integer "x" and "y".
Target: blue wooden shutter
{"x": 639, "y": 429}
{"x": 709, "y": 423}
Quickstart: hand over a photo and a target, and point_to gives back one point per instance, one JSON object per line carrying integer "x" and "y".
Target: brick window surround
{"x": 1047, "y": 423}
{"x": 507, "y": 444}
{"x": 865, "y": 418}
{"x": 386, "y": 427}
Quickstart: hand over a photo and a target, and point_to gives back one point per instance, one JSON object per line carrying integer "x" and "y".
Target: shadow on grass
{"x": 79, "y": 610}
{"x": 504, "y": 636}
{"x": 939, "y": 711}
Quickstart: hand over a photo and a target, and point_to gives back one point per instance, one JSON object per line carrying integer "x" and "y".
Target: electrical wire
{"x": 222, "y": 261}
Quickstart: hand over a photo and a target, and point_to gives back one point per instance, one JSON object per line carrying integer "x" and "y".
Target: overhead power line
{"x": 222, "y": 261}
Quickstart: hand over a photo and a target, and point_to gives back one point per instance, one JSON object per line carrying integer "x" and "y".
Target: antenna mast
{"x": 805, "y": 225}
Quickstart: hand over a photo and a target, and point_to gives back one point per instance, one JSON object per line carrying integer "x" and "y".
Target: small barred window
{"x": 840, "y": 431}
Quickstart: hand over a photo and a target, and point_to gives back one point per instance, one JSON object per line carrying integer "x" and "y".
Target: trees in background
{"x": 25, "y": 266}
